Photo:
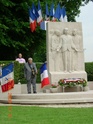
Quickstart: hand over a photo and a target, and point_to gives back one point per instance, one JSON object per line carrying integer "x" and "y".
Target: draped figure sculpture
{"x": 66, "y": 45}
{"x": 77, "y": 42}
{"x": 54, "y": 44}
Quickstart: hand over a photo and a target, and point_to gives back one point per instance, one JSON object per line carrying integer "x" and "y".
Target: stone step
{"x": 50, "y": 98}
{"x": 49, "y": 101}
{"x": 55, "y": 96}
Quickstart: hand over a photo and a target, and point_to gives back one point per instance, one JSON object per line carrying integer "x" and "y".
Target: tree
{"x": 15, "y": 34}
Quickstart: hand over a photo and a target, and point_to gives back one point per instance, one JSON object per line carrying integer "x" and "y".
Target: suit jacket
{"x": 27, "y": 70}
{"x": 66, "y": 43}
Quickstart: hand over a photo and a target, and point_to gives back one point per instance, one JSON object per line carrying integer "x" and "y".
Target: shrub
{"x": 19, "y": 71}
{"x": 89, "y": 70}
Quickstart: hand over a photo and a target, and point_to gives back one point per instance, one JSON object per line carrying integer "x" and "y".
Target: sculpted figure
{"x": 66, "y": 45}
{"x": 77, "y": 42}
{"x": 54, "y": 44}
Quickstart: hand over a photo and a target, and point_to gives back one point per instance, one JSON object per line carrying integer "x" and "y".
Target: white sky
{"x": 86, "y": 17}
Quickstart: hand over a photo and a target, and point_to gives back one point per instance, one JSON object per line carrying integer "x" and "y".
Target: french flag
{"x": 61, "y": 15}
{"x": 47, "y": 13}
{"x": 40, "y": 18}
{"x": 32, "y": 19}
{"x": 35, "y": 11}
{"x": 57, "y": 12}
{"x": 52, "y": 12}
{"x": 44, "y": 75}
{"x": 7, "y": 78}
{"x": 64, "y": 14}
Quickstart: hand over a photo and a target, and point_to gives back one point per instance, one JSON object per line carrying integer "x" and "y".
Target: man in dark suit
{"x": 30, "y": 72}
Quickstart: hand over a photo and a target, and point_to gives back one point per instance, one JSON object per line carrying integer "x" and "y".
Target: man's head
{"x": 65, "y": 31}
{"x": 20, "y": 55}
{"x": 57, "y": 32}
{"x": 51, "y": 32}
{"x": 30, "y": 60}
{"x": 74, "y": 32}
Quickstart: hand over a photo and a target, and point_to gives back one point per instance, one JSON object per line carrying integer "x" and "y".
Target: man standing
{"x": 20, "y": 59}
{"x": 30, "y": 72}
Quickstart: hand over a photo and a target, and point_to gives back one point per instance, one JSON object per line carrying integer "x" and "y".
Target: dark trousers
{"x": 33, "y": 82}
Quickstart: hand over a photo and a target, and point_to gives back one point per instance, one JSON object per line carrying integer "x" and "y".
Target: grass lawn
{"x": 41, "y": 115}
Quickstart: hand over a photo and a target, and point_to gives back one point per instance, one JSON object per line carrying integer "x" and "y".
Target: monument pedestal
{"x": 56, "y": 76}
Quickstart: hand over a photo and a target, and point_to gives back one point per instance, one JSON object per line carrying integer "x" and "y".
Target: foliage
{"x": 19, "y": 73}
{"x": 70, "y": 82}
{"x": 15, "y": 34}
{"x": 5, "y": 63}
{"x": 54, "y": 85}
{"x": 89, "y": 70}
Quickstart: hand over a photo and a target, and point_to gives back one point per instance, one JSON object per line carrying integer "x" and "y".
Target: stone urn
{"x": 53, "y": 90}
{"x": 86, "y": 88}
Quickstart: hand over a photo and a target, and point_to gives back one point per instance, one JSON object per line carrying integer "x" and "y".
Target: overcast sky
{"x": 86, "y": 17}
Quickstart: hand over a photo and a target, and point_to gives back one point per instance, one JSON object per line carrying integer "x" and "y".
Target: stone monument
{"x": 65, "y": 53}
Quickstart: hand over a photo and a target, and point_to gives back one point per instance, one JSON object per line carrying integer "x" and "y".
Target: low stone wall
{"x": 90, "y": 84}
{"x": 22, "y": 89}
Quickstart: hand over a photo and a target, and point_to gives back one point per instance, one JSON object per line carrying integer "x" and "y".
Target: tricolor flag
{"x": 44, "y": 76}
{"x": 52, "y": 12}
{"x": 57, "y": 12}
{"x": 64, "y": 14}
{"x": 40, "y": 18}
{"x": 35, "y": 11}
{"x": 61, "y": 15}
{"x": 7, "y": 78}
{"x": 32, "y": 19}
{"x": 47, "y": 13}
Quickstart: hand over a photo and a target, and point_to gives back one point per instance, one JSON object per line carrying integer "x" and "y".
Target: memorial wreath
{"x": 70, "y": 82}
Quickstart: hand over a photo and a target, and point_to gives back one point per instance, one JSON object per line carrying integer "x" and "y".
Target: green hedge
{"x": 89, "y": 70}
{"x": 19, "y": 71}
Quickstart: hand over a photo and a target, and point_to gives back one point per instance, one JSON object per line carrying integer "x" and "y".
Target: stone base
{"x": 54, "y": 90}
{"x": 56, "y": 76}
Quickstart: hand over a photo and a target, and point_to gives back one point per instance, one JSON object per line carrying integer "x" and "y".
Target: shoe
{"x": 34, "y": 92}
{"x": 29, "y": 92}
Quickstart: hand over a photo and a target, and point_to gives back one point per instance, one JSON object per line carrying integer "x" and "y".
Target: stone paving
{"x": 87, "y": 105}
